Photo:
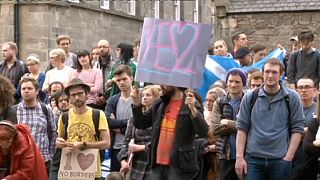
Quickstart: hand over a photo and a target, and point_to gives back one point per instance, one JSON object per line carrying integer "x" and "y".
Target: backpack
{"x": 46, "y": 113}
{"x": 96, "y": 120}
{"x": 254, "y": 98}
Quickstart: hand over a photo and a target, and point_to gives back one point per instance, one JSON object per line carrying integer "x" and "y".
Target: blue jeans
{"x": 264, "y": 168}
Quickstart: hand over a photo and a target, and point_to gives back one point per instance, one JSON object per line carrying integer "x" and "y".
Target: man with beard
{"x": 38, "y": 117}
{"x": 269, "y": 130}
{"x": 11, "y": 67}
{"x": 118, "y": 111}
{"x": 82, "y": 132}
{"x": 175, "y": 118}
{"x": 223, "y": 122}
{"x": 105, "y": 63}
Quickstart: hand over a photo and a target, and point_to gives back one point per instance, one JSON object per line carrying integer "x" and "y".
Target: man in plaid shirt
{"x": 38, "y": 117}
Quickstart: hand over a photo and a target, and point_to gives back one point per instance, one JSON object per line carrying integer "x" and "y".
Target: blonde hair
{"x": 154, "y": 91}
{"x": 58, "y": 53}
{"x": 219, "y": 92}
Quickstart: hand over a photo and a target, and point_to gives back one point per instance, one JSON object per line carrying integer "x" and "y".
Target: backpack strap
{"x": 46, "y": 113}
{"x": 287, "y": 101}
{"x": 221, "y": 105}
{"x": 96, "y": 121}
{"x": 65, "y": 120}
{"x": 254, "y": 98}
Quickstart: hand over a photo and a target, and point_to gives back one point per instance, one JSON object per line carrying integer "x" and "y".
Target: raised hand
{"x": 136, "y": 96}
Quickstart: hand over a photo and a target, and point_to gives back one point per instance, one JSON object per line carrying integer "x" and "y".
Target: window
{"x": 196, "y": 11}
{"x": 131, "y": 7}
{"x": 105, "y": 4}
{"x": 74, "y": 1}
{"x": 177, "y": 10}
{"x": 156, "y": 9}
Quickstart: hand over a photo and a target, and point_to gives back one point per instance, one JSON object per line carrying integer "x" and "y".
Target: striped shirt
{"x": 37, "y": 122}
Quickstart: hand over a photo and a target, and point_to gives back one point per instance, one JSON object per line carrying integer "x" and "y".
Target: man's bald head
{"x": 104, "y": 47}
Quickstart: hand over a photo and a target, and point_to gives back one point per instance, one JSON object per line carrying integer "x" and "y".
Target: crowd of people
{"x": 251, "y": 125}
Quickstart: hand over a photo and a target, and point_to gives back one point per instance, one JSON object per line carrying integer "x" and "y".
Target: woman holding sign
{"x": 20, "y": 158}
{"x": 136, "y": 140}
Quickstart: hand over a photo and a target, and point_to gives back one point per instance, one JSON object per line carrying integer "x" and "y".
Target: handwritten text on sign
{"x": 173, "y": 53}
{"x": 78, "y": 164}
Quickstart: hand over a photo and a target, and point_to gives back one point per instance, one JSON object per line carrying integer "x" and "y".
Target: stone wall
{"x": 7, "y": 24}
{"x": 265, "y": 26}
{"x": 40, "y": 24}
{"x": 86, "y": 23}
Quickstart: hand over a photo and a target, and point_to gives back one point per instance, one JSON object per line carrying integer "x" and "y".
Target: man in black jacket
{"x": 175, "y": 119}
{"x": 118, "y": 112}
{"x": 12, "y": 68}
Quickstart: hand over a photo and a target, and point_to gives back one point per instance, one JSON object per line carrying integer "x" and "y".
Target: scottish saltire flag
{"x": 277, "y": 53}
{"x": 216, "y": 68}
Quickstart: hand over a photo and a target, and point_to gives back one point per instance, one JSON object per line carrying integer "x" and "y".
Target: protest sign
{"x": 78, "y": 165}
{"x": 173, "y": 52}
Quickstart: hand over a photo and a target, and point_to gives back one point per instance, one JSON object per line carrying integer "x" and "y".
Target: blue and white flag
{"x": 277, "y": 53}
{"x": 216, "y": 68}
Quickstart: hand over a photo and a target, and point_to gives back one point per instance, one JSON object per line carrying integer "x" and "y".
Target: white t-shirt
{"x": 61, "y": 75}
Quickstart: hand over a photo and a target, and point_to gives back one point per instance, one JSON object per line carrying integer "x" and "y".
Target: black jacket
{"x": 114, "y": 123}
{"x": 184, "y": 154}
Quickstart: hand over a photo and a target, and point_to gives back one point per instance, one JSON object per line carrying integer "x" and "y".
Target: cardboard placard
{"x": 173, "y": 52}
{"x": 78, "y": 165}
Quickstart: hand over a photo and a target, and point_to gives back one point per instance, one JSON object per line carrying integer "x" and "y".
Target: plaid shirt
{"x": 140, "y": 169}
{"x": 37, "y": 122}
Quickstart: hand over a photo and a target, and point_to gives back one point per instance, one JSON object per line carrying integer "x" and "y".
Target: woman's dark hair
{"x": 126, "y": 52}
{"x": 82, "y": 53}
{"x": 57, "y": 95}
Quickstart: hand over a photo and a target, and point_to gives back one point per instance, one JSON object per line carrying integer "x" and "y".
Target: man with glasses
{"x": 81, "y": 128}
{"x": 304, "y": 62}
{"x": 269, "y": 130}
{"x": 306, "y": 89}
{"x": 105, "y": 62}
{"x": 64, "y": 42}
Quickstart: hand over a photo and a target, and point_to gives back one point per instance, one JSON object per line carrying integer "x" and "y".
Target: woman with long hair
{"x": 134, "y": 146}
{"x": 124, "y": 53}
{"x": 90, "y": 76}
{"x": 7, "y": 92}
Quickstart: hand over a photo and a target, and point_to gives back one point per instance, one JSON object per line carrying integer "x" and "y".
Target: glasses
{"x": 79, "y": 94}
{"x": 306, "y": 87}
{"x": 103, "y": 46}
{"x": 31, "y": 64}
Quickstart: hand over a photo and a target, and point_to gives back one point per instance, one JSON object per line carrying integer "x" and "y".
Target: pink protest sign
{"x": 173, "y": 53}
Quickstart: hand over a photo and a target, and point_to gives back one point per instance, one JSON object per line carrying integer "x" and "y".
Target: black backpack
{"x": 96, "y": 120}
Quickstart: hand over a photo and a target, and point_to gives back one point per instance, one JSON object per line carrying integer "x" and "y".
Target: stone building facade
{"x": 266, "y": 21}
{"x": 35, "y": 24}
